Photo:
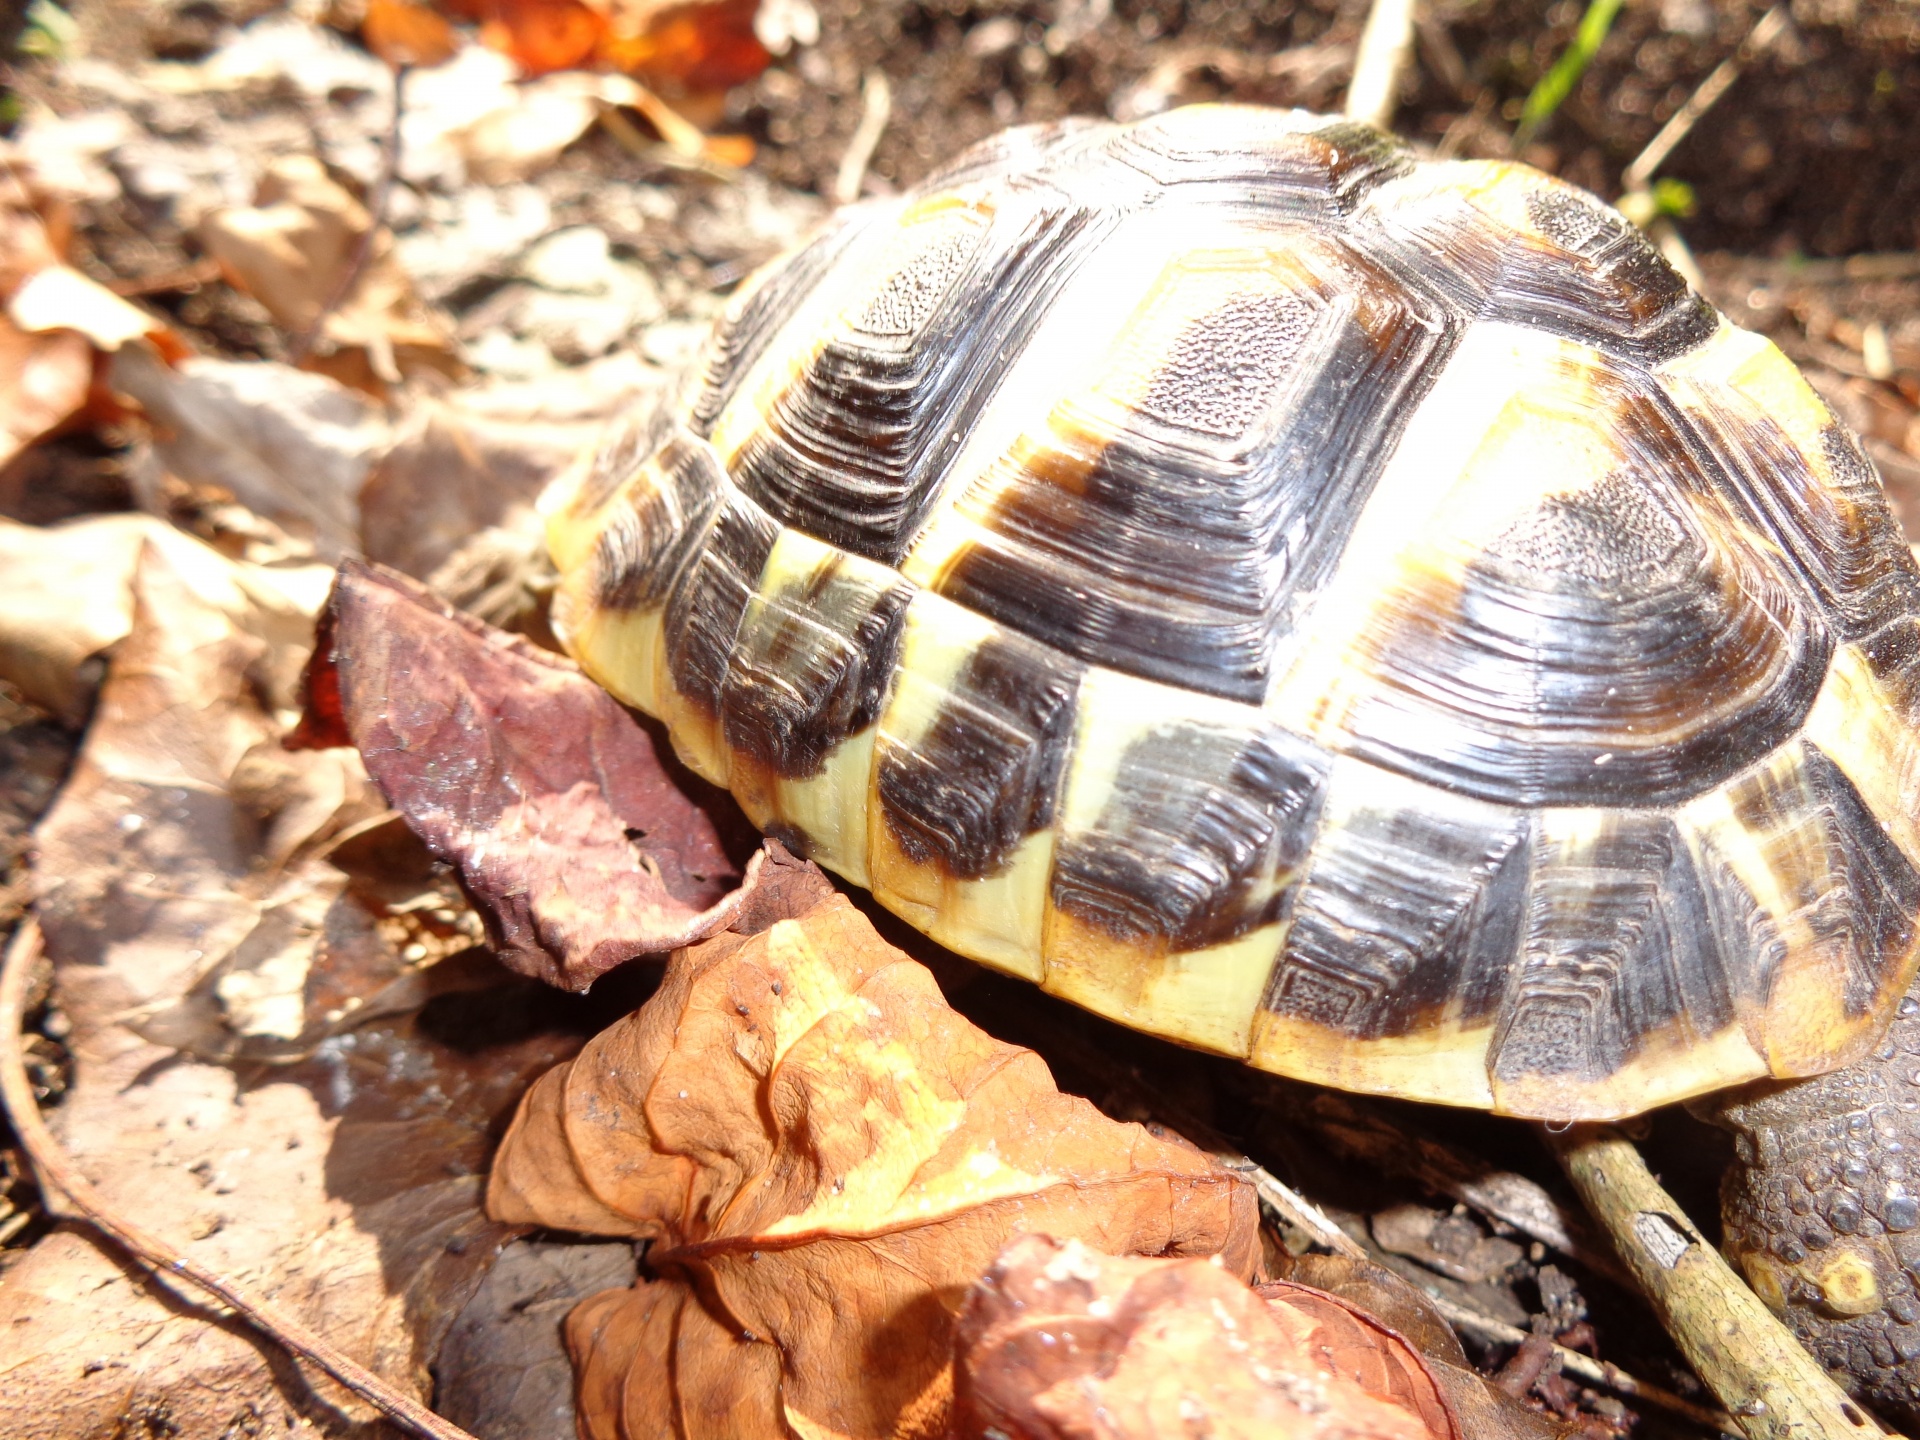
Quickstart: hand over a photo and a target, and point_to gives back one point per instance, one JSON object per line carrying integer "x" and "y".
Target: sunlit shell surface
{"x": 1362, "y": 616}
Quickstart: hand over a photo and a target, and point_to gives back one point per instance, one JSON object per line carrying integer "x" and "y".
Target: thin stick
{"x": 1771, "y": 1386}
{"x": 376, "y": 217}
{"x": 1582, "y": 1367}
{"x": 1765, "y": 31}
{"x": 1304, "y": 1215}
{"x": 57, "y": 1174}
{"x": 1384, "y": 46}
{"x": 876, "y": 98}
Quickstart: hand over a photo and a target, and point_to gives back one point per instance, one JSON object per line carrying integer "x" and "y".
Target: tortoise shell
{"x": 1360, "y": 615}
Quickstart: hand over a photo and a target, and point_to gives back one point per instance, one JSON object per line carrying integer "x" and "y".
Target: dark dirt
{"x": 1813, "y": 150}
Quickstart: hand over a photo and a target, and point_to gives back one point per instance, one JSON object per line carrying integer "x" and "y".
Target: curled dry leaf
{"x": 530, "y": 779}
{"x": 1059, "y": 1343}
{"x": 290, "y": 250}
{"x": 825, "y": 1156}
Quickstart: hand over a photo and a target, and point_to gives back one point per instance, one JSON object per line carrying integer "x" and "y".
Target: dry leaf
{"x": 824, "y": 1156}
{"x": 1374, "y": 1297}
{"x": 345, "y": 1187}
{"x": 290, "y": 250}
{"x": 69, "y": 596}
{"x": 1059, "y": 1343}
{"x": 543, "y": 35}
{"x": 703, "y": 47}
{"x": 404, "y": 34}
{"x": 44, "y": 381}
{"x": 452, "y": 473}
{"x": 61, "y": 298}
{"x": 525, "y": 775}
{"x": 290, "y": 446}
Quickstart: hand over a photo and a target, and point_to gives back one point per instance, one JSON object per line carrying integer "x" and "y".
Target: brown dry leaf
{"x": 344, "y": 1187}
{"x": 1373, "y": 1297}
{"x": 69, "y": 596}
{"x": 1060, "y": 1343}
{"x": 61, "y": 298}
{"x": 701, "y": 47}
{"x": 825, "y": 1156}
{"x": 404, "y": 34}
{"x": 514, "y": 767}
{"x": 44, "y": 381}
{"x": 291, "y": 446}
{"x": 289, "y": 250}
{"x": 542, "y": 36}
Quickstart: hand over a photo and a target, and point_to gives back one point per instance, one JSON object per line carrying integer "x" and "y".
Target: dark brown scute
{"x": 1620, "y": 946}
{"x": 753, "y": 319}
{"x": 1173, "y": 551}
{"x": 853, "y": 451}
{"x": 812, "y": 667}
{"x": 704, "y": 611}
{"x": 1404, "y": 912}
{"x": 986, "y": 773}
{"x": 653, "y": 528}
{"x": 1860, "y": 897}
{"x": 1586, "y": 274}
{"x": 1199, "y": 815}
{"x": 1619, "y": 623}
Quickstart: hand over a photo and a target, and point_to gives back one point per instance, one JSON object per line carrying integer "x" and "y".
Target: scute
{"x": 1363, "y": 616}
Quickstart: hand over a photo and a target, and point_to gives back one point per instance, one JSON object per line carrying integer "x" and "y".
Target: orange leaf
{"x": 1057, "y": 1342}
{"x": 543, "y": 35}
{"x": 405, "y": 34}
{"x": 708, "y": 45}
{"x": 825, "y": 1156}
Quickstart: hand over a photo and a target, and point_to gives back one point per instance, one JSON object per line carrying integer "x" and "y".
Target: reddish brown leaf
{"x": 825, "y": 1156}
{"x": 543, "y": 35}
{"x": 526, "y": 776}
{"x": 1057, "y": 1342}
{"x": 402, "y": 33}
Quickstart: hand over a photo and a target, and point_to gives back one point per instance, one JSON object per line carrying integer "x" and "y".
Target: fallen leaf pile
{"x": 1058, "y": 1342}
{"x": 825, "y": 1156}
{"x": 510, "y": 764}
{"x": 188, "y": 891}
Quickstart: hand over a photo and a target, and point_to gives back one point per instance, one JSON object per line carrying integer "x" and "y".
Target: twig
{"x": 376, "y": 218}
{"x": 1766, "y": 30}
{"x": 1304, "y": 1215}
{"x": 876, "y": 108}
{"x": 58, "y": 1178}
{"x": 1582, "y": 1367}
{"x": 1770, "y": 1385}
{"x": 1385, "y": 44}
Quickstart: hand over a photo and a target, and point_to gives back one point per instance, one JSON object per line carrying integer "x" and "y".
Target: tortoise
{"x": 1362, "y": 615}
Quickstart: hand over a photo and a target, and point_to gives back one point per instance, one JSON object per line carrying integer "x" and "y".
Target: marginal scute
{"x": 814, "y": 655}
{"x": 1202, "y": 825}
{"x": 652, "y": 523}
{"x": 1801, "y": 875}
{"x": 1242, "y": 421}
{"x": 984, "y": 771}
{"x": 1619, "y": 946}
{"x": 1409, "y": 912}
{"x": 706, "y": 607}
